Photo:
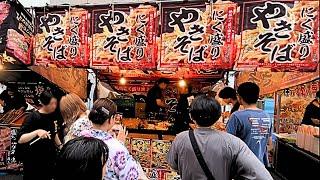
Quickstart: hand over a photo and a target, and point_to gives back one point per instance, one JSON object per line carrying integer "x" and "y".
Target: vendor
{"x": 312, "y": 113}
{"x": 182, "y": 118}
{"x": 155, "y": 99}
{"x": 12, "y": 99}
{"x": 229, "y": 96}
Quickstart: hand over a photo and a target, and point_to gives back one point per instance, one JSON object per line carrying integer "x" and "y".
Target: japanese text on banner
{"x": 61, "y": 39}
{"x": 198, "y": 36}
{"x": 126, "y": 38}
{"x": 280, "y": 36}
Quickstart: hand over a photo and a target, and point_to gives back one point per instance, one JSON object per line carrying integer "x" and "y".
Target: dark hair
{"x": 318, "y": 94}
{"x": 103, "y": 109}
{"x": 4, "y": 96}
{"x": 190, "y": 88}
{"x": 228, "y": 92}
{"x": 45, "y": 97}
{"x": 163, "y": 80}
{"x": 249, "y": 92}
{"x": 205, "y": 110}
{"x": 82, "y": 158}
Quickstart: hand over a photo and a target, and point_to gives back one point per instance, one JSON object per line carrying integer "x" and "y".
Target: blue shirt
{"x": 254, "y": 127}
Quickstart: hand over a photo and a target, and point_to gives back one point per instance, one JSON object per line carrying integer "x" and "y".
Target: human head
{"x": 205, "y": 110}
{"x": 82, "y": 158}
{"x": 102, "y": 113}
{"x": 71, "y": 107}
{"x": 248, "y": 93}
{"x": 48, "y": 102}
{"x": 185, "y": 90}
{"x": 3, "y": 97}
{"x": 163, "y": 83}
{"x": 228, "y": 95}
{"x": 11, "y": 89}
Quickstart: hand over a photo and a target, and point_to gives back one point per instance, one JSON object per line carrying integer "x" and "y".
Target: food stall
{"x": 296, "y": 142}
{"x": 129, "y": 46}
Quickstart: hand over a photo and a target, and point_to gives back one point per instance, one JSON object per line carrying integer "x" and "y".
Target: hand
{"x": 122, "y": 135}
{"x": 315, "y": 121}
{"x": 43, "y": 134}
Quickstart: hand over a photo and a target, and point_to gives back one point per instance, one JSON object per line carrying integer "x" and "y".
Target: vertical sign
{"x": 16, "y": 32}
{"x": 283, "y": 36}
{"x": 198, "y": 35}
{"x": 62, "y": 39}
{"x": 125, "y": 37}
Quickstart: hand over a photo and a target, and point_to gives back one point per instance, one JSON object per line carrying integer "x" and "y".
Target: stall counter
{"x": 292, "y": 162}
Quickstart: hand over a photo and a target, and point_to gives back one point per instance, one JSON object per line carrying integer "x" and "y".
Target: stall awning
{"x": 69, "y": 79}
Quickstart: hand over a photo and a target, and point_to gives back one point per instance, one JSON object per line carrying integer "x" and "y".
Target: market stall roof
{"x": 69, "y": 79}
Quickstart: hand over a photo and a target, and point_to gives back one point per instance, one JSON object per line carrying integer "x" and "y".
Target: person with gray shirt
{"x": 212, "y": 154}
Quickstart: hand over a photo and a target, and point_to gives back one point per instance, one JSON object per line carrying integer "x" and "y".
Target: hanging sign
{"x": 198, "y": 35}
{"x": 62, "y": 38}
{"x": 125, "y": 37}
{"x": 283, "y": 36}
{"x": 293, "y": 104}
{"x": 16, "y": 32}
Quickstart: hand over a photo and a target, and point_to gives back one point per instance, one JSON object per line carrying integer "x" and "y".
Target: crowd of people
{"x": 93, "y": 149}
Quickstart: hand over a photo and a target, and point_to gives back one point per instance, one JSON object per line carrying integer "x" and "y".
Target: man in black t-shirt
{"x": 155, "y": 100}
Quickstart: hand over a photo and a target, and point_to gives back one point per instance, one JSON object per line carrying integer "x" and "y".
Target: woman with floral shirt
{"x": 75, "y": 116}
{"x": 120, "y": 164}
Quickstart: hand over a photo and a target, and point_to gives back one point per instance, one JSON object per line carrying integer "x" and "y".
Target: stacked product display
{"x": 308, "y": 138}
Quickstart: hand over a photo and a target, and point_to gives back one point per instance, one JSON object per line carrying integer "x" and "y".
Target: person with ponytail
{"x": 39, "y": 139}
{"x": 120, "y": 164}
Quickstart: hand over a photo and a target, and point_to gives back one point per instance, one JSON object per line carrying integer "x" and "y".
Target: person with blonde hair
{"x": 75, "y": 116}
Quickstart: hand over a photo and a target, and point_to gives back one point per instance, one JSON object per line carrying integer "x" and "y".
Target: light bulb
{"x": 182, "y": 83}
{"x": 122, "y": 81}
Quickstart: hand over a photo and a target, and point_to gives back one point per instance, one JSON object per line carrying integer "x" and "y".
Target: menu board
{"x": 283, "y": 36}
{"x": 125, "y": 37}
{"x": 141, "y": 151}
{"x": 160, "y": 150}
{"x": 16, "y": 32}
{"x": 62, "y": 39}
{"x": 31, "y": 90}
{"x": 293, "y": 104}
{"x": 198, "y": 35}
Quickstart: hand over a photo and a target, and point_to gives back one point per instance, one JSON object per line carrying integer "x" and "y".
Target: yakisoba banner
{"x": 273, "y": 36}
{"x": 62, "y": 38}
{"x": 283, "y": 35}
{"x": 198, "y": 35}
{"x": 125, "y": 37}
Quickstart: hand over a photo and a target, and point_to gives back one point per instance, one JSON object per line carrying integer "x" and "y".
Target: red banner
{"x": 283, "y": 36}
{"x": 16, "y": 33}
{"x": 198, "y": 35}
{"x": 62, "y": 39}
{"x": 170, "y": 74}
{"x": 125, "y": 37}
